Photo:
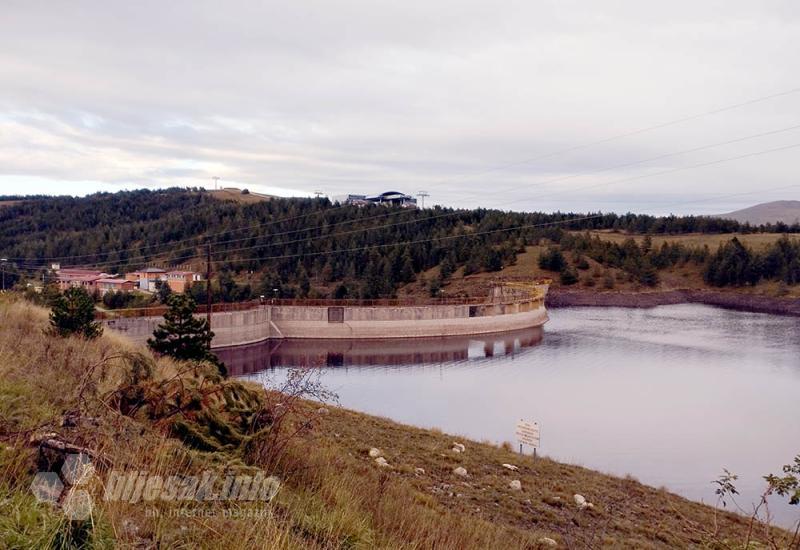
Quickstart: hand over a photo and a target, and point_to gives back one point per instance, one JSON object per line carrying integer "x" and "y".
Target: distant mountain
{"x": 768, "y": 212}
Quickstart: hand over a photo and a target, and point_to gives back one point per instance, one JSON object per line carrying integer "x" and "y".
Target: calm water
{"x": 670, "y": 395}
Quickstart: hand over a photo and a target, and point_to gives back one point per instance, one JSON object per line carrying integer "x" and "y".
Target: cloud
{"x": 359, "y": 96}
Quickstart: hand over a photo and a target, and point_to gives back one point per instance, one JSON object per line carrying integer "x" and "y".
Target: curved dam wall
{"x": 353, "y": 322}
{"x": 230, "y": 328}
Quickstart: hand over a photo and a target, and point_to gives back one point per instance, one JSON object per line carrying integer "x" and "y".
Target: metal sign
{"x": 528, "y": 433}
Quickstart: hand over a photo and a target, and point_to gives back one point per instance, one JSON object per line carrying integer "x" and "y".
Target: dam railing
{"x": 511, "y": 293}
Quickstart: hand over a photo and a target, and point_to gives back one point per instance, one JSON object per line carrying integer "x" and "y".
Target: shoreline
{"x": 558, "y": 297}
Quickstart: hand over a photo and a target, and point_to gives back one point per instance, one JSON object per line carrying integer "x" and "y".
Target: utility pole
{"x": 208, "y": 287}
{"x": 216, "y": 182}
{"x": 422, "y": 195}
{"x": 3, "y": 269}
{"x": 318, "y": 194}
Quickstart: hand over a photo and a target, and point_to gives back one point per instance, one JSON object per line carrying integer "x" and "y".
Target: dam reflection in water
{"x": 671, "y": 395}
{"x": 244, "y": 360}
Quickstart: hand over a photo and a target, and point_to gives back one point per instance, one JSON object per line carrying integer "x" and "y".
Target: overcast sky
{"x": 450, "y": 96}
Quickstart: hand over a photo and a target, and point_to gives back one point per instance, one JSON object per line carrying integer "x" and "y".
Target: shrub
{"x": 552, "y": 260}
{"x": 568, "y": 276}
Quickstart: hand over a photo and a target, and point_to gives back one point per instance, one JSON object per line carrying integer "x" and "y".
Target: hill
{"x": 309, "y": 247}
{"x": 787, "y": 212}
{"x": 332, "y": 493}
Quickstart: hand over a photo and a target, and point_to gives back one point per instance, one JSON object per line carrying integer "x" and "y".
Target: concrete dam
{"x": 507, "y": 308}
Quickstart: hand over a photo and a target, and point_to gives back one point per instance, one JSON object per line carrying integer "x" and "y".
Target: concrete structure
{"x": 506, "y": 309}
{"x": 113, "y": 285}
{"x": 247, "y": 359}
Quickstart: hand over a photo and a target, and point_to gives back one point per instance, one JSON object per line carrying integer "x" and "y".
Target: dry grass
{"x": 689, "y": 276}
{"x": 333, "y": 494}
{"x": 234, "y": 194}
{"x": 758, "y": 241}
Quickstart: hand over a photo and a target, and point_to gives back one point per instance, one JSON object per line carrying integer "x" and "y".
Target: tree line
{"x": 295, "y": 247}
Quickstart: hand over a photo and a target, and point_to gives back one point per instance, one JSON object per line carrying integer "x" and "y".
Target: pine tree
{"x": 182, "y": 335}
{"x": 163, "y": 291}
{"x": 73, "y": 313}
{"x": 552, "y": 260}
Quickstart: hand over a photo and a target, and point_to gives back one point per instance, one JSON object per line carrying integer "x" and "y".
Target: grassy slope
{"x": 235, "y": 194}
{"x": 334, "y": 495}
{"x": 689, "y": 276}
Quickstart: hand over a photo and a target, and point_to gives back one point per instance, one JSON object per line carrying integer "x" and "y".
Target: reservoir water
{"x": 669, "y": 395}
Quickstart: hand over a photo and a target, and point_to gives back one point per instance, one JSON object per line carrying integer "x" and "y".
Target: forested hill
{"x": 289, "y": 240}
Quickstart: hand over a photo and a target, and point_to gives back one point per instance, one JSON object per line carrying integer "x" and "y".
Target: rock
{"x": 456, "y": 450}
{"x": 323, "y": 410}
{"x": 419, "y": 471}
{"x": 515, "y": 485}
{"x": 380, "y": 461}
{"x": 582, "y": 503}
{"x": 510, "y": 467}
{"x": 374, "y": 453}
{"x": 460, "y": 471}
{"x": 458, "y": 447}
{"x": 547, "y": 541}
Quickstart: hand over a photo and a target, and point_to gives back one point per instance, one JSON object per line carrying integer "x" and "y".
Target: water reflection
{"x": 244, "y": 360}
{"x": 671, "y": 395}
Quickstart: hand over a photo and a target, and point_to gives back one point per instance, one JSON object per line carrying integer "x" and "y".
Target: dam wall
{"x": 352, "y": 322}
{"x": 230, "y": 328}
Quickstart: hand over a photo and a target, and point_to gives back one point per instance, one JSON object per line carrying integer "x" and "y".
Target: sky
{"x": 499, "y": 104}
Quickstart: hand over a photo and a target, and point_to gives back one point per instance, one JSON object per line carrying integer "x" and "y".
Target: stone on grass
{"x": 515, "y": 485}
{"x": 459, "y": 447}
{"x": 460, "y": 471}
{"x": 323, "y": 410}
{"x": 419, "y": 471}
{"x": 582, "y": 503}
{"x": 547, "y": 541}
{"x": 510, "y": 467}
{"x": 374, "y": 453}
{"x": 380, "y": 461}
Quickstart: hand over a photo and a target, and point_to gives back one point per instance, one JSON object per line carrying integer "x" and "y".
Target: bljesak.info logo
{"x": 76, "y": 486}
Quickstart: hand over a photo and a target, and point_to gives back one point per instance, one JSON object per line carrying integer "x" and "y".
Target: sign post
{"x": 528, "y": 433}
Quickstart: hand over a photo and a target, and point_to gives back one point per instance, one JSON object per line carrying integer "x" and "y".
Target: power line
{"x": 623, "y": 135}
{"x": 497, "y": 168}
{"x": 457, "y": 212}
{"x": 512, "y": 201}
{"x": 465, "y": 235}
{"x": 719, "y": 161}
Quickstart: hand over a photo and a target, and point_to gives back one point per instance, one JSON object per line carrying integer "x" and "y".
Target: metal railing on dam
{"x": 506, "y": 308}
{"x": 158, "y": 311}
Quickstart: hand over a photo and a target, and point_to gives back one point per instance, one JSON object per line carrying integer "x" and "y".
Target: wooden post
{"x": 208, "y": 287}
